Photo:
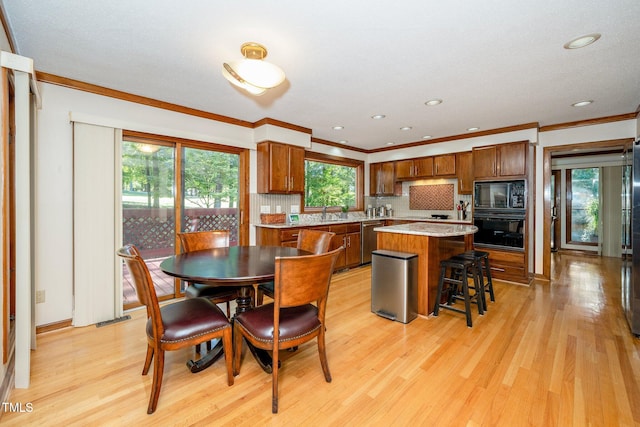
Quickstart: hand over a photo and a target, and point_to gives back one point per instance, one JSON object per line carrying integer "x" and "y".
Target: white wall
{"x": 53, "y": 180}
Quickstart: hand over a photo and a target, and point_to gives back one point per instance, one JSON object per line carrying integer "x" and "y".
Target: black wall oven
{"x": 502, "y": 230}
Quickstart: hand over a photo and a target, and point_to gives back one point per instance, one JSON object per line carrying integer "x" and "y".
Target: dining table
{"x": 241, "y": 266}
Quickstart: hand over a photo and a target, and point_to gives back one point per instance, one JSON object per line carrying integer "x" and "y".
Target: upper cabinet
{"x": 444, "y": 165}
{"x": 503, "y": 160}
{"x": 382, "y": 179}
{"x": 464, "y": 167}
{"x": 421, "y": 167}
{"x": 280, "y": 168}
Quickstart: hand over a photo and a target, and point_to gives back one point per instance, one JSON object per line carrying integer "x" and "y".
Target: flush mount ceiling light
{"x": 252, "y": 73}
{"x": 582, "y": 41}
{"x": 433, "y": 102}
{"x": 406, "y": 128}
{"x": 581, "y": 103}
{"x": 378, "y": 116}
{"x": 338, "y": 127}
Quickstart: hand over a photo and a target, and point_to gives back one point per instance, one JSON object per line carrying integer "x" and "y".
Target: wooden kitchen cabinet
{"x": 508, "y": 265}
{"x": 347, "y": 235}
{"x": 382, "y": 179}
{"x": 498, "y": 161}
{"x": 280, "y": 168}
{"x": 444, "y": 165}
{"x": 464, "y": 169}
{"x": 421, "y": 167}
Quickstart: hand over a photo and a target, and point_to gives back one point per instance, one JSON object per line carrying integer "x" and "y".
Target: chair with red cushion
{"x": 174, "y": 326}
{"x": 314, "y": 241}
{"x": 199, "y": 240}
{"x": 296, "y": 316}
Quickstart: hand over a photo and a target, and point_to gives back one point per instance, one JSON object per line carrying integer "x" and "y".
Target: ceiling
{"x": 493, "y": 63}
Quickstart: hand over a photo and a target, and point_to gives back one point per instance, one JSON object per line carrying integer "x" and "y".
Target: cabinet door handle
{"x": 291, "y": 187}
{"x": 349, "y": 241}
{"x": 497, "y": 269}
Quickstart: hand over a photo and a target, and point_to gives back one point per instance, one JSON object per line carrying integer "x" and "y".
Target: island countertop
{"x": 429, "y": 229}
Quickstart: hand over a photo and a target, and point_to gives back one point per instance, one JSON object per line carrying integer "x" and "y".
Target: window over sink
{"x": 332, "y": 181}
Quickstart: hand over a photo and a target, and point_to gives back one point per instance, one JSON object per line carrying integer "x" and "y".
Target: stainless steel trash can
{"x": 394, "y": 285}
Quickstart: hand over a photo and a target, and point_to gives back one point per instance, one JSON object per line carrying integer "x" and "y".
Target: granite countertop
{"x": 365, "y": 219}
{"x": 429, "y": 229}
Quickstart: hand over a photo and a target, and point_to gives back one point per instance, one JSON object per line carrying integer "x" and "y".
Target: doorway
{"x": 576, "y": 151}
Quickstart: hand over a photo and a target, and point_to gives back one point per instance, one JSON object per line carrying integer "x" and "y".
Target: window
{"x": 583, "y": 205}
{"x": 332, "y": 181}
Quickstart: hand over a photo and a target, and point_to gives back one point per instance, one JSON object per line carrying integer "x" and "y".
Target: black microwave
{"x": 499, "y": 195}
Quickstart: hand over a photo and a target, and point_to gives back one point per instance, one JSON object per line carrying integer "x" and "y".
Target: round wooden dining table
{"x": 241, "y": 266}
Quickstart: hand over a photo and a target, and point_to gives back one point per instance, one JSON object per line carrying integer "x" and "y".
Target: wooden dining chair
{"x": 174, "y": 326}
{"x": 199, "y": 240}
{"x": 296, "y": 316}
{"x": 314, "y": 241}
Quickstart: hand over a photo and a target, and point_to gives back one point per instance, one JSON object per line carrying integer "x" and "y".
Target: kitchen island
{"x": 432, "y": 243}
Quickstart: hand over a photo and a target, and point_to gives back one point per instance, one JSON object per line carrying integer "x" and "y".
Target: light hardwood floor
{"x": 557, "y": 354}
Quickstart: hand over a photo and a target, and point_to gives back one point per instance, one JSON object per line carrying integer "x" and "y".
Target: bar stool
{"x": 481, "y": 264}
{"x": 459, "y": 270}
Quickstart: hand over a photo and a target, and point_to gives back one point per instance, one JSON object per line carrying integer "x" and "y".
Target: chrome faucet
{"x": 324, "y": 213}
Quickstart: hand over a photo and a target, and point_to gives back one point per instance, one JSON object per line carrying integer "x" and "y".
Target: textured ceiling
{"x": 494, "y": 63}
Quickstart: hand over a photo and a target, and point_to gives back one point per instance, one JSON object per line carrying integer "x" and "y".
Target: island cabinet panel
{"x": 430, "y": 251}
{"x": 280, "y": 168}
{"x": 464, "y": 169}
{"x": 444, "y": 165}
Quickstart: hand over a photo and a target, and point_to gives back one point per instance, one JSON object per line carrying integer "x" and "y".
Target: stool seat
{"x": 458, "y": 279}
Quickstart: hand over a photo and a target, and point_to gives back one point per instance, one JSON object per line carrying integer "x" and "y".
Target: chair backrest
{"x": 199, "y": 240}
{"x": 143, "y": 284}
{"x": 304, "y": 280}
{"x": 314, "y": 241}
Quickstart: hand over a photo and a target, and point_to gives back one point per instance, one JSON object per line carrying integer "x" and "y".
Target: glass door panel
{"x": 583, "y": 206}
{"x": 210, "y": 192}
{"x": 148, "y": 213}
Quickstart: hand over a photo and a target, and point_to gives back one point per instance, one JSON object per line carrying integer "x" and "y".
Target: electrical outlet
{"x": 265, "y": 209}
{"x": 295, "y": 208}
{"x": 39, "y": 297}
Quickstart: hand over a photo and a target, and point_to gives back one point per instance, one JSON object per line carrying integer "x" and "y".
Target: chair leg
{"x": 274, "y": 379}
{"x": 259, "y": 297}
{"x": 237, "y": 348}
{"x": 228, "y": 354}
{"x": 158, "y": 368}
{"x": 147, "y": 360}
{"x": 322, "y": 351}
{"x": 228, "y": 310}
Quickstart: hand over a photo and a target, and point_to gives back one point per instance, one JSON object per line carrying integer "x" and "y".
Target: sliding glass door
{"x": 171, "y": 186}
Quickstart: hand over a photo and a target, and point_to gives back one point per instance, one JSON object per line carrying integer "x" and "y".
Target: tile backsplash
{"x": 400, "y": 204}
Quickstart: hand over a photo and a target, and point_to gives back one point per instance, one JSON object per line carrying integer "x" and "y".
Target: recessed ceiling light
{"x": 581, "y": 103}
{"x": 343, "y": 141}
{"x": 426, "y": 137}
{"x": 472, "y": 129}
{"x": 406, "y": 128}
{"x": 432, "y": 102}
{"x": 378, "y": 116}
{"x": 338, "y": 127}
{"x": 390, "y": 143}
{"x": 582, "y": 41}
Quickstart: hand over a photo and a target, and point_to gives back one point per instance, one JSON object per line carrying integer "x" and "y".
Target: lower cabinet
{"x": 508, "y": 265}
{"x": 347, "y": 235}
